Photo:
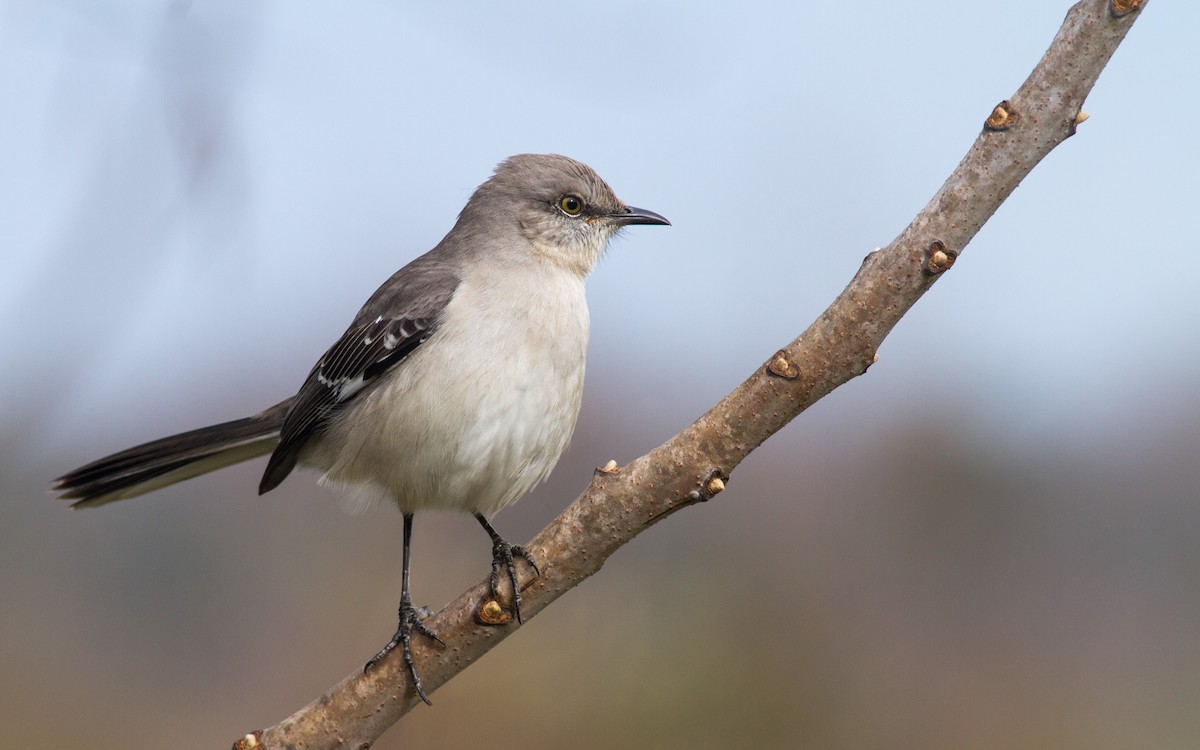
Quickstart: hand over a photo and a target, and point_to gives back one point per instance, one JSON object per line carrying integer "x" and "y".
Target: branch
{"x": 691, "y": 467}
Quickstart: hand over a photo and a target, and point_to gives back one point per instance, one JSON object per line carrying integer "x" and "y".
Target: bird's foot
{"x": 410, "y": 621}
{"x": 505, "y": 554}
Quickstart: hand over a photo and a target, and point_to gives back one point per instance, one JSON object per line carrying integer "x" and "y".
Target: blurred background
{"x": 988, "y": 541}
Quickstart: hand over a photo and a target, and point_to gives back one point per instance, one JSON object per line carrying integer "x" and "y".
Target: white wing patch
{"x": 349, "y": 387}
{"x": 346, "y": 387}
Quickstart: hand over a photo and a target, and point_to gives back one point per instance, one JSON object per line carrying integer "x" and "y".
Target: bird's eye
{"x": 571, "y": 205}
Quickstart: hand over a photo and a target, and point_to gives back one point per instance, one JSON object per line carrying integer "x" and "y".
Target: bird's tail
{"x": 172, "y": 459}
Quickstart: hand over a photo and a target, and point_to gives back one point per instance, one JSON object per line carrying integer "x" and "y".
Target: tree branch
{"x": 621, "y": 502}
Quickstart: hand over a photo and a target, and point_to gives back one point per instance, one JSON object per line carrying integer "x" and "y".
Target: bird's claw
{"x": 410, "y": 620}
{"x": 505, "y": 553}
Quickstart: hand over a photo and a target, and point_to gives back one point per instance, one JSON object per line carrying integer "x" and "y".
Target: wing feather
{"x": 398, "y": 318}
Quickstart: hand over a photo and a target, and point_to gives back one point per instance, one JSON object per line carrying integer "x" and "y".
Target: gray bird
{"x": 457, "y": 386}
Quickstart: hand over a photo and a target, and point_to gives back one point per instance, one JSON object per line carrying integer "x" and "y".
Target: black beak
{"x": 633, "y": 215}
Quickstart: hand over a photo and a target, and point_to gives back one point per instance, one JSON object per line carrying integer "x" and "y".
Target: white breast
{"x": 480, "y": 413}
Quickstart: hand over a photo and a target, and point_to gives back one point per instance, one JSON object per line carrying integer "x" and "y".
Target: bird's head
{"x": 561, "y": 206}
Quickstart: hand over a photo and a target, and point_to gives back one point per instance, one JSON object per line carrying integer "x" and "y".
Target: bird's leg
{"x": 502, "y": 552}
{"x": 409, "y": 621}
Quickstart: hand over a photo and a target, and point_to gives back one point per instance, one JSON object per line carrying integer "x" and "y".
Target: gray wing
{"x": 398, "y": 318}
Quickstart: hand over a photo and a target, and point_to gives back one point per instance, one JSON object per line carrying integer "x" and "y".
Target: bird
{"x": 456, "y": 386}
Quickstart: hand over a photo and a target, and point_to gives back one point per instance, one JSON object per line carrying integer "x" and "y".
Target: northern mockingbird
{"x": 457, "y": 385}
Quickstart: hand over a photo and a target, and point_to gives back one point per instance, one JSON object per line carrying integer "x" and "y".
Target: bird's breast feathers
{"x": 489, "y": 415}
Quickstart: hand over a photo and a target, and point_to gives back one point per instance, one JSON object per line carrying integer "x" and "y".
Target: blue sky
{"x": 200, "y": 200}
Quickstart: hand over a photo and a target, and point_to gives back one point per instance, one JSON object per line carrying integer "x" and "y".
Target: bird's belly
{"x": 474, "y": 432}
